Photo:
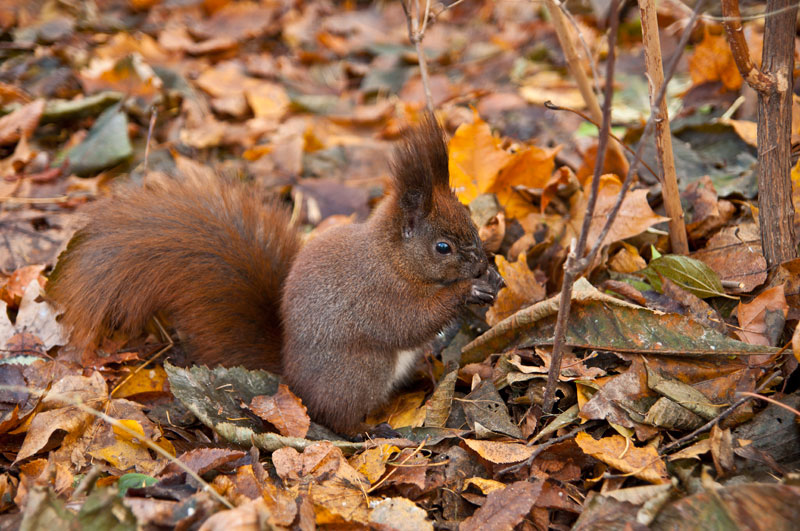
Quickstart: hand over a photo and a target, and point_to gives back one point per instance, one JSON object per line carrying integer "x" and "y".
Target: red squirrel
{"x": 343, "y": 319}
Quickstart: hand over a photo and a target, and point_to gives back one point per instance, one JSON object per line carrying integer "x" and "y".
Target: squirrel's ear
{"x": 419, "y": 166}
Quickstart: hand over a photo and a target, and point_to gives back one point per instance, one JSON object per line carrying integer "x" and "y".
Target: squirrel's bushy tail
{"x": 212, "y": 254}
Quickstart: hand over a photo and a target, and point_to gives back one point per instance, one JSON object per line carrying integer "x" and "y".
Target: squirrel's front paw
{"x": 484, "y": 289}
{"x": 481, "y": 292}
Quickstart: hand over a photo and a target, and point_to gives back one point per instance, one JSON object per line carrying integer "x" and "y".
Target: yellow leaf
{"x": 145, "y": 381}
{"x": 405, "y": 410}
{"x": 372, "y": 462}
{"x": 132, "y": 425}
{"x": 485, "y": 485}
{"x": 475, "y": 158}
{"x": 616, "y": 451}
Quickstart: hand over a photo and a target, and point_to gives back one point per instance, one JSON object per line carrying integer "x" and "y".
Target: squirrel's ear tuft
{"x": 419, "y": 166}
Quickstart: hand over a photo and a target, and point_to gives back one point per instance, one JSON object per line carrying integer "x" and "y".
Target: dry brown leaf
{"x": 267, "y": 100}
{"x": 251, "y": 515}
{"x": 634, "y": 217}
{"x": 400, "y": 514}
{"x": 20, "y": 123}
{"x": 202, "y": 460}
{"x": 15, "y": 285}
{"x": 284, "y": 411}
{"x": 761, "y": 320}
{"x": 504, "y": 508}
{"x": 627, "y": 260}
{"x": 410, "y": 469}
{"x": 500, "y": 452}
{"x": 734, "y": 253}
{"x": 619, "y": 453}
{"x": 70, "y": 419}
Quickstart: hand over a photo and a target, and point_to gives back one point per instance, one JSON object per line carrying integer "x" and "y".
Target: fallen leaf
{"x": 504, "y": 508}
{"x": 761, "y": 320}
{"x": 372, "y": 462}
{"x": 643, "y": 463}
{"x": 20, "y": 123}
{"x": 400, "y": 514}
{"x": 634, "y": 217}
{"x": 475, "y": 159}
{"x": 501, "y": 452}
{"x": 712, "y": 60}
{"x": 522, "y": 289}
{"x": 284, "y": 411}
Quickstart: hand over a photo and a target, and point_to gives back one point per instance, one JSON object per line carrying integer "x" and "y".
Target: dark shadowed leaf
{"x": 504, "y": 508}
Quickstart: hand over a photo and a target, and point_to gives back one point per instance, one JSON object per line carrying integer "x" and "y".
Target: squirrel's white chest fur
{"x": 404, "y": 363}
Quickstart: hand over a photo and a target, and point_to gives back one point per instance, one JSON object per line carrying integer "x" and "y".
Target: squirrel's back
{"x": 209, "y": 253}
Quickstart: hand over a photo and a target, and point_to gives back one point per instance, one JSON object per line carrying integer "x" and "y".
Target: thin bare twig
{"x": 570, "y": 271}
{"x": 771, "y": 401}
{"x": 722, "y": 415}
{"x": 553, "y": 107}
{"x": 415, "y": 35}
{"x": 648, "y": 129}
{"x": 544, "y": 446}
{"x": 153, "y": 116}
{"x": 576, "y": 264}
{"x": 575, "y": 66}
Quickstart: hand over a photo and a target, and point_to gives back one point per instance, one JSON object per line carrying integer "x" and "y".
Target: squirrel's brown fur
{"x": 357, "y": 303}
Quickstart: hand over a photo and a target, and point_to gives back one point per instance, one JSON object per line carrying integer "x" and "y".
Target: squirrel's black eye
{"x": 443, "y": 248}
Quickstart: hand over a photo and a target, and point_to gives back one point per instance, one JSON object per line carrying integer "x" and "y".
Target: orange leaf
{"x": 757, "y": 327}
{"x": 475, "y": 159}
{"x": 531, "y": 168}
{"x": 284, "y": 411}
{"x": 522, "y": 288}
{"x": 615, "y": 451}
{"x": 712, "y": 60}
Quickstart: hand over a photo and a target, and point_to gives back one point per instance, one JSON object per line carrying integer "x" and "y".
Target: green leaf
{"x": 106, "y": 145}
{"x": 134, "y": 480}
{"x": 654, "y": 252}
{"x": 692, "y": 275}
